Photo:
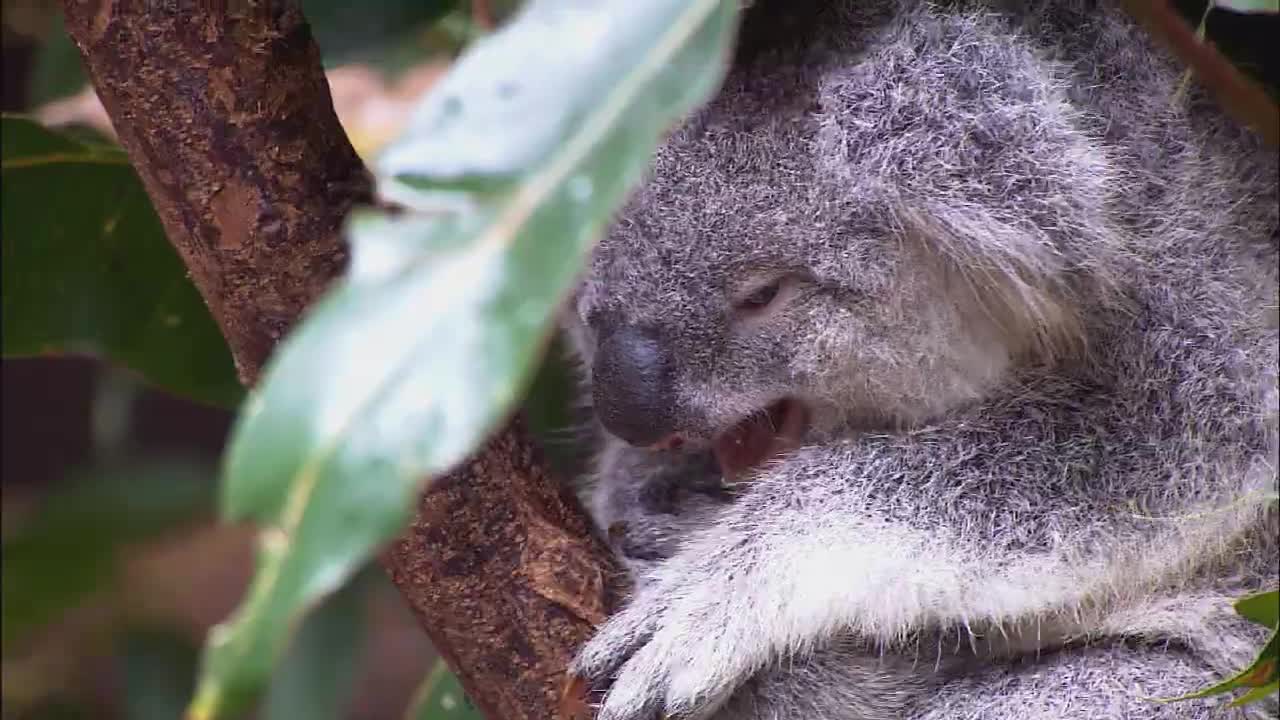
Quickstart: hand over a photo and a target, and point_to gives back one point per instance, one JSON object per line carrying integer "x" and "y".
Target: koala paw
{"x": 681, "y": 647}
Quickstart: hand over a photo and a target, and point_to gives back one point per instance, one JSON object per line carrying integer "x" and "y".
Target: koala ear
{"x": 1013, "y": 277}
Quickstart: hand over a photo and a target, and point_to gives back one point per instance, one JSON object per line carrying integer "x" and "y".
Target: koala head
{"x": 835, "y": 247}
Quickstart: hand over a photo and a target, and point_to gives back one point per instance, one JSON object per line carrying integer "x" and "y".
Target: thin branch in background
{"x": 482, "y": 14}
{"x": 1241, "y": 97}
{"x": 1181, "y": 92}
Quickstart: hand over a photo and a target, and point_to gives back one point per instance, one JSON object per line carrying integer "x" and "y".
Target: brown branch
{"x": 1243, "y": 98}
{"x": 224, "y": 111}
{"x": 227, "y": 118}
{"x": 482, "y": 14}
{"x": 489, "y": 568}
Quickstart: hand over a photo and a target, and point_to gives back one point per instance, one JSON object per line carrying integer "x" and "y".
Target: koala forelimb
{"x": 936, "y": 364}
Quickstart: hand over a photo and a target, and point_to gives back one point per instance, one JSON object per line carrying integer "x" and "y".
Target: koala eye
{"x": 760, "y": 298}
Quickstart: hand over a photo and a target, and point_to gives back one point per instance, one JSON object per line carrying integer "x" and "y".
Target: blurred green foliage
{"x": 65, "y": 554}
{"x": 388, "y": 34}
{"x": 87, "y": 268}
{"x": 158, "y": 672}
{"x": 1262, "y": 677}
{"x": 68, "y": 549}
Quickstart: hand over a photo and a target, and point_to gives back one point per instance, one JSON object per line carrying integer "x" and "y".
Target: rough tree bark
{"x": 226, "y": 115}
{"x": 225, "y": 112}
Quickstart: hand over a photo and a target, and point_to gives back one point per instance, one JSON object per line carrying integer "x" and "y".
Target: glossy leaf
{"x": 318, "y": 672}
{"x": 440, "y": 697}
{"x": 68, "y": 549}
{"x": 1249, "y": 6}
{"x": 511, "y": 169}
{"x": 1257, "y": 694}
{"x": 87, "y": 269}
{"x": 57, "y": 70}
{"x": 1262, "y": 608}
{"x": 1259, "y": 679}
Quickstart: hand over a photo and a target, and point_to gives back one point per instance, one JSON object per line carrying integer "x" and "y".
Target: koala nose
{"x": 632, "y": 385}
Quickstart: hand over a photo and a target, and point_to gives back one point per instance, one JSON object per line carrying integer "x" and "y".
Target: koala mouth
{"x": 764, "y": 435}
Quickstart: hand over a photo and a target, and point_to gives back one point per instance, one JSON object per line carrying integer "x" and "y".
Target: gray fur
{"x": 1035, "y": 318}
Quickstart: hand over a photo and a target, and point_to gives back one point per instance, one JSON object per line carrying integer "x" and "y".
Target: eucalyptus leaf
{"x": 1249, "y": 6}
{"x": 1257, "y": 694}
{"x": 1262, "y": 673}
{"x": 511, "y": 169}
{"x": 87, "y": 269}
{"x": 318, "y": 672}
{"x": 57, "y": 70}
{"x": 1262, "y": 608}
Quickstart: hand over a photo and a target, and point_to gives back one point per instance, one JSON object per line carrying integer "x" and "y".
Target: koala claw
{"x": 669, "y": 653}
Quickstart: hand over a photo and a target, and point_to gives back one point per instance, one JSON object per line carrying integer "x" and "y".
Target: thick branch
{"x": 225, "y": 112}
{"x": 227, "y": 117}
{"x": 490, "y": 569}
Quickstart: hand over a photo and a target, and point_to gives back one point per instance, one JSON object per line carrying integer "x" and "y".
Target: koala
{"x": 935, "y": 373}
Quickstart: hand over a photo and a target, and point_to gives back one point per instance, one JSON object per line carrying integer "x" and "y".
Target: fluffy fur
{"x": 1029, "y": 295}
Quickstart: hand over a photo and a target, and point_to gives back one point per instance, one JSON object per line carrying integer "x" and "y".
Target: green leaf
{"x": 318, "y": 673}
{"x": 57, "y": 69}
{"x": 1249, "y": 6}
{"x": 1257, "y": 694}
{"x": 1262, "y": 608}
{"x": 87, "y": 269}
{"x": 519, "y": 157}
{"x": 1263, "y": 672}
{"x": 67, "y": 551}
{"x": 440, "y": 697}
{"x": 372, "y": 32}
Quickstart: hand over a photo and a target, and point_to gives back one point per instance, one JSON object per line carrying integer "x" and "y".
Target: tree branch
{"x": 1241, "y": 97}
{"x": 506, "y": 578}
{"x": 227, "y": 118}
{"x": 226, "y": 115}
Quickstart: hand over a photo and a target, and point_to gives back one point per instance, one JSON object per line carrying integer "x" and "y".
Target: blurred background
{"x": 114, "y": 566}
